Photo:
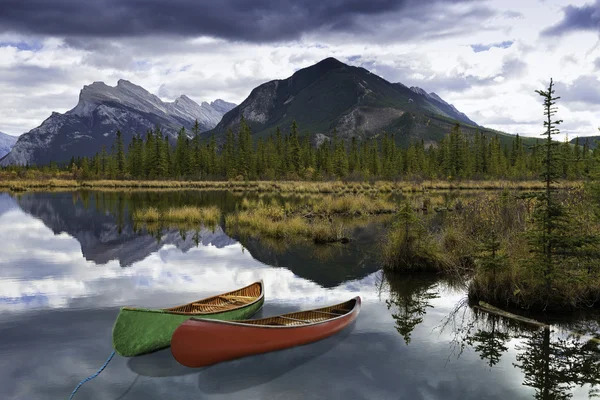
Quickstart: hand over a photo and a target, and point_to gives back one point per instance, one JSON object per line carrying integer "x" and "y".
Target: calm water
{"x": 68, "y": 261}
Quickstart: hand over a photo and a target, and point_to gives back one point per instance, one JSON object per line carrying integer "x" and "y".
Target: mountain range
{"x": 100, "y": 112}
{"x": 324, "y": 98}
{"x": 6, "y": 143}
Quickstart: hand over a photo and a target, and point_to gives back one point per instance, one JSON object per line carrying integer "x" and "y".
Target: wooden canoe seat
{"x": 207, "y": 307}
{"x": 294, "y": 319}
{"x": 328, "y": 313}
{"x": 237, "y": 299}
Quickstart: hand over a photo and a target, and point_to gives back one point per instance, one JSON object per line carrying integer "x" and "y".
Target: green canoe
{"x": 140, "y": 331}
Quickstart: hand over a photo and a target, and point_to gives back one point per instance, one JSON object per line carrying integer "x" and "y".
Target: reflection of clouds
{"x": 6, "y": 203}
{"x": 40, "y": 269}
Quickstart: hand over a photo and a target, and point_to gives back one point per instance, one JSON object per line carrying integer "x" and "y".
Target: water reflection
{"x": 70, "y": 260}
{"x": 555, "y": 364}
{"x": 410, "y": 297}
{"x": 101, "y": 223}
{"x": 489, "y": 343}
{"x": 42, "y": 264}
{"x": 250, "y": 372}
{"x": 558, "y": 362}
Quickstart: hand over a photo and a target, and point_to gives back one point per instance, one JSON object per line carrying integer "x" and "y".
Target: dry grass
{"x": 11, "y": 181}
{"x": 519, "y": 287}
{"x": 186, "y": 214}
{"x": 283, "y": 221}
{"x": 149, "y": 214}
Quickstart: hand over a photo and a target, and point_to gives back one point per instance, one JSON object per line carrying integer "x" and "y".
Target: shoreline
{"x": 316, "y": 187}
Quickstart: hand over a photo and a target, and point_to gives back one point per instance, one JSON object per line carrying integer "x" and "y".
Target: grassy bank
{"x": 488, "y": 239}
{"x": 319, "y": 218}
{"x": 324, "y": 187}
{"x": 187, "y": 214}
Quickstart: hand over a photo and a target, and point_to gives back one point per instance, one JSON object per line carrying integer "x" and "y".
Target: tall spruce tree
{"x": 121, "y": 164}
{"x": 555, "y": 240}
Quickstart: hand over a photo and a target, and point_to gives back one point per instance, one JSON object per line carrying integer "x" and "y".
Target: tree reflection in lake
{"x": 555, "y": 361}
{"x": 490, "y": 343}
{"x": 410, "y": 297}
{"x": 554, "y": 364}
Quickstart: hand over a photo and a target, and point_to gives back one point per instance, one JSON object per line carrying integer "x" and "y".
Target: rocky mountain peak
{"x": 186, "y": 101}
{"x": 99, "y": 113}
{"x": 420, "y": 91}
{"x": 222, "y": 106}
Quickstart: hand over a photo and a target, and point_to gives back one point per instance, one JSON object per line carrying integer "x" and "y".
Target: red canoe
{"x": 200, "y": 342}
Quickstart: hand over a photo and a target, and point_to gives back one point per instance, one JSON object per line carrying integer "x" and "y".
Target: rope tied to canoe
{"x": 89, "y": 378}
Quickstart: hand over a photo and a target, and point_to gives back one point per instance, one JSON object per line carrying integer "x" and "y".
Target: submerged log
{"x": 495, "y": 310}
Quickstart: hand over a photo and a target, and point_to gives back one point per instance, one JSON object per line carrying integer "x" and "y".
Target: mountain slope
{"x": 332, "y": 95}
{"x": 100, "y": 112}
{"x": 592, "y": 141}
{"x": 6, "y": 143}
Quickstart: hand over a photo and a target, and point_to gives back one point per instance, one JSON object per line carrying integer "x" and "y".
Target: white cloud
{"x": 486, "y": 85}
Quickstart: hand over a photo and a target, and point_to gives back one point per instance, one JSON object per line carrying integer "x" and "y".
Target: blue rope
{"x": 89, "y": 378}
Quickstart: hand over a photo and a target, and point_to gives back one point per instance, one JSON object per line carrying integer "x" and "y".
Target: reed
{"x": 283, "y": 221}
{"x": 150, "y": 214}
{"x": 186, "y": 214}
{"x": 35, "y": 181}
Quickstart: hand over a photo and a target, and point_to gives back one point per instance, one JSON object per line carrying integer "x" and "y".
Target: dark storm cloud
{"x": 253, "y": 21}
{"x": 584, "y": 18}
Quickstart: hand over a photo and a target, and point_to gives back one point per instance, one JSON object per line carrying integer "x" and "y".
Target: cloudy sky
{"x": 487, "y": 57}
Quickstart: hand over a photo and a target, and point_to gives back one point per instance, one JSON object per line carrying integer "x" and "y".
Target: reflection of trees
{"x": 552, "y": 364}
{"x": 554, "y": 367}
{"x": 411, "y": 297}
{"x": 486, "y": 333}
{"x": 490, "y": 343}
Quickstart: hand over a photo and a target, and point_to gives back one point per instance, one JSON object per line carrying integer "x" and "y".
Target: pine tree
{"x": 120, "y": 154}
{"x": 555, "y": 241}
{"x": 294, "y": 149}
{"x": 195, "y": 160}
{"x": 180, "y": 153}
{"x": 229, "y": 161}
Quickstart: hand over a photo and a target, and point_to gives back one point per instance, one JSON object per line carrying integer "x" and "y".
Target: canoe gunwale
{"x": 200, "y": 314}
{"x": 354, "y": 309}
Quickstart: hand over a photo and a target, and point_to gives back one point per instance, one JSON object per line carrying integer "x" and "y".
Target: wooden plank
{"x": 294, "y": 319}
{"x": 328, "y": 313}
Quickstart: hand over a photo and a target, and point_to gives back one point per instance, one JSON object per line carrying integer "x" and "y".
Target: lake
{"x": 69, "y": 260}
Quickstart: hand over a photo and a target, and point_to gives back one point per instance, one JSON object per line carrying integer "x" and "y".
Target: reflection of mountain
{"x": 104, "y": 236}
{"x": 101, "y": 223}
{"x": 328, "y": 265}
